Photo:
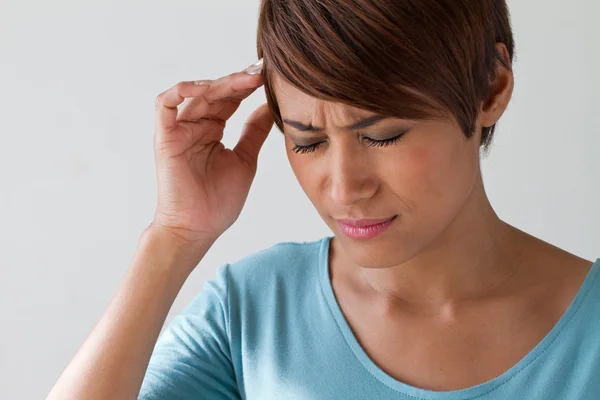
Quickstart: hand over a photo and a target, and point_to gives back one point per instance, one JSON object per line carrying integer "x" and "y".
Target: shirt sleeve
{"x": 192, "y": 358}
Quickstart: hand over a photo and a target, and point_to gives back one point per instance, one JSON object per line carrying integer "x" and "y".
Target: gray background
{"x": 78, "y": 82}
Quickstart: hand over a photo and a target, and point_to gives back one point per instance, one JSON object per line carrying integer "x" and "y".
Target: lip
{"x": 368, "y": 231}
{"x": 363, "y": 222}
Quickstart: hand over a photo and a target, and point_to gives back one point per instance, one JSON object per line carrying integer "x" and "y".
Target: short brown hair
{"x": 402, "y": 58}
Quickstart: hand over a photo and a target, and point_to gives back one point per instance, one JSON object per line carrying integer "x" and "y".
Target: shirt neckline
{"x": 461, "y": 394}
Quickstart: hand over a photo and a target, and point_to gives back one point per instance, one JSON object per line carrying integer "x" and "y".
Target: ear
{"x": 501, "y": 91}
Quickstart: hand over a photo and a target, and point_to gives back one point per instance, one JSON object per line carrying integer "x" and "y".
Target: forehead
{"x": 295, "y": 104}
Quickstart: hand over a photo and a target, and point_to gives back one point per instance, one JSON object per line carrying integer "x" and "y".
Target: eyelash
{"x": 372, "y": 142}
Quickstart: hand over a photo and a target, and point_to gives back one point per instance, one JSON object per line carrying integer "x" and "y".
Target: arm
{"x": 202, "y": 187}
{"x": 112, "y": 361}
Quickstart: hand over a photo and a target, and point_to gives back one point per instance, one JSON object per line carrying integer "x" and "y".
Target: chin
{"x": 383, "y": 251}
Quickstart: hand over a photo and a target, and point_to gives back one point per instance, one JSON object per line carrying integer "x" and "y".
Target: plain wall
{"x": 78, "y": 83}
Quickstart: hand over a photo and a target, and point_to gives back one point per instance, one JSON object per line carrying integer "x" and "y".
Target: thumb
{"x": 254, "y": 133}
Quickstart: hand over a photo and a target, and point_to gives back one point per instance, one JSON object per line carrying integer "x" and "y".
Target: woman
{"x": 423, "y": 292}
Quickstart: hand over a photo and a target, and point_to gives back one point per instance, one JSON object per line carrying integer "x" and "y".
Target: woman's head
{"x": 439, "y": 70}
{"x": 410, "y": 59}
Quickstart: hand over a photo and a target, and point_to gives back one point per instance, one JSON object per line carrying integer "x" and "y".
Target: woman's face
{"x": 424, "y": 178}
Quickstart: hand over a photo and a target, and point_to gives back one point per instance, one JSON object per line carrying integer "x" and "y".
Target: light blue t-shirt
{"x": 268, "y": 327}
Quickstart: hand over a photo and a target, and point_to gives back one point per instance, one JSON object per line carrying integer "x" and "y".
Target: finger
{"x": 196, "y": 108}
{"x": 254, "y": 133}
{"x": 222, "y": 99}
{"x": 233, "y": 86}
{"x": 167, "y": 102}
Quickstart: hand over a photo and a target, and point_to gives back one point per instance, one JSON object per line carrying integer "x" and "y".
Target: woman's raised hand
{"x": 202, "y": 186}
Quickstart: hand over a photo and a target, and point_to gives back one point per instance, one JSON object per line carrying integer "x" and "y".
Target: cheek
{"x": 432, "y": 180}
{"x": 305, "y": 172}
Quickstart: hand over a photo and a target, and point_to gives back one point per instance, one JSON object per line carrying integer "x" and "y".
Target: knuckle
{"x": 179, "y": 86}
{"x": 160, "y": 99}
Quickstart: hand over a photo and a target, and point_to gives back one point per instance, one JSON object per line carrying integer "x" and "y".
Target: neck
{"x": 474, "y": 256}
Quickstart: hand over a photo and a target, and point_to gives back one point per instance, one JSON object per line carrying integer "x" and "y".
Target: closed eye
{"x": 371, "y": 142}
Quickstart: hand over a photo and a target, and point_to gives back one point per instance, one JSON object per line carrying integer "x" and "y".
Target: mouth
{"x": 364, "y": 228}
{"x": 363, "y": 222}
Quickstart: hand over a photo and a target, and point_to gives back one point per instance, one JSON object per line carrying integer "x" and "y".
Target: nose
{"x": 350, "y": 179}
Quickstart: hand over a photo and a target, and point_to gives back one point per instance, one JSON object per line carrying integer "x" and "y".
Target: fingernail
{"x": 254, "y": 69}
{"x": 203, "y": 82}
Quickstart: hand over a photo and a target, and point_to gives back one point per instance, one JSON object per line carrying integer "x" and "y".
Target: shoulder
{"x": 284, "y": 260}
{"x": 260, "y": 286}
{"x": 256, "y": 275}
{"x": 259, "y": 278}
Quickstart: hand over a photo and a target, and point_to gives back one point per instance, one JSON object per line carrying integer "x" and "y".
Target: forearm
{"x": 112, "y": 361}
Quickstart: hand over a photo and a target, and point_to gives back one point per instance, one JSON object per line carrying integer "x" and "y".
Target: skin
{"x": 416, "y": 295}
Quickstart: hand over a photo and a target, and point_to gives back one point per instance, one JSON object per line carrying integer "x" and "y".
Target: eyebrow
{"x": 357, "y": 125}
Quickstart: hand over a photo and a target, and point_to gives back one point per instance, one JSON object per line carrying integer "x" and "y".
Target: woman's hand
{"x": 203, "y": 186}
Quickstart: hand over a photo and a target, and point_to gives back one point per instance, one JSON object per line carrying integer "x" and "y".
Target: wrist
{"x": 165, "y": 248}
